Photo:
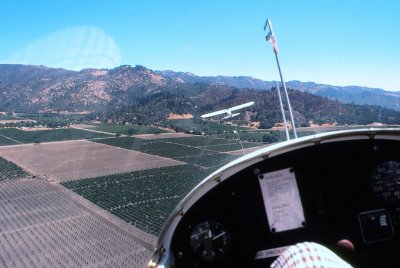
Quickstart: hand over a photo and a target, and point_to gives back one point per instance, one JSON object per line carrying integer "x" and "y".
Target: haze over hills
{"x": 347, "y": 94}
{"x": 140, "y": 95}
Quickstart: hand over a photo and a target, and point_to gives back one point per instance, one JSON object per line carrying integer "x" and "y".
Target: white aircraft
{"x": 228, "y": 111}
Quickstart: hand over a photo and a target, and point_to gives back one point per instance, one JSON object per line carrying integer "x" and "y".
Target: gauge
{"x": 210, "y": 240}
{"x": 385, "y": 181}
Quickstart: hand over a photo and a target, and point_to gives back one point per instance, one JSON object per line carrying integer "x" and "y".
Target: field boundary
{"x": 169, "y": 158}
{"x": 11, "y": 139}
{"x": 32, "y": 171}
{"x": 97, "y": 131}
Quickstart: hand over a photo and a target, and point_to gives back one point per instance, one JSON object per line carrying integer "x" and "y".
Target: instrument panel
{"x": 385, "y": 181}
{"x": 347, "y": 190}
{"x": 210, "y": 241}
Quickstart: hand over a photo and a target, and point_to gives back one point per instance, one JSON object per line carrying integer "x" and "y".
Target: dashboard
{"x": 325, "y": 188}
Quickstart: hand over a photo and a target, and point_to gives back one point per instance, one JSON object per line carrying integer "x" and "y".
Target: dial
{"x": 210, "y": 240}
{"x": 385, "y": 181}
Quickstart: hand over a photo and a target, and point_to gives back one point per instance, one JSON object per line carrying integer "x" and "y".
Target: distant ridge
{"x": 346, "y": 94}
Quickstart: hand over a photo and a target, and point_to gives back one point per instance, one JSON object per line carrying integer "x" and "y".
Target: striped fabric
{"x": 310, "y": 255}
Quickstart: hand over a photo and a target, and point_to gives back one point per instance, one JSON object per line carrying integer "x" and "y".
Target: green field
{"x": 6, "y": 141}
{"x": 127, "y": 142}
{"x": 146, "y": 198}
{"x": 207, "y": 127}
{"x": 124, "y": 129}
{"x": 193, "y": 150}
{"x": 198, "y": 141}
{"x": 7, "y": 117}
{"x": 255, "y": 136}
{"x": 21, "y": 136}
{"x": 70, "y": 118}
{"x": 226, "y": 131}
{"x": 212, "y": 143}
{"x": 143, "y": 198}
{"x": 233, "y": 146}
{"x": 10, "y": 171}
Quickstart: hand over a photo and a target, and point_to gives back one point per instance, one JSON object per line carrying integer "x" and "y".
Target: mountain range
{"x": 347, "y": 94}
{"x": 140, "y": 95}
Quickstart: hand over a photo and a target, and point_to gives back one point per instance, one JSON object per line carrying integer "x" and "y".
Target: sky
{"x": 337, "y": 42}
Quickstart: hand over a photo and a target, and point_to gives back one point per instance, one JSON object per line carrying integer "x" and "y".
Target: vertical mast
{"x": 282, "y": 111}
{"x": 271, "y": 38}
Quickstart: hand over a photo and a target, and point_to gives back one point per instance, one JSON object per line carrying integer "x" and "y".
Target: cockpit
{"x": 323, "y": 188}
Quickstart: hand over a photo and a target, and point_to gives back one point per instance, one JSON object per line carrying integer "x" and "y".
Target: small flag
{"x": 271, "y": 38}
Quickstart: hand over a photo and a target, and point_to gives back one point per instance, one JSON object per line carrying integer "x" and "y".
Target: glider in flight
{"x": 228, "y": 111}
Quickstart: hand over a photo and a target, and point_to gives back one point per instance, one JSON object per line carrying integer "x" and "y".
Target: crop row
{"x": 135, "y": 175}
{"x": 172, "y": 150}
{"x": 73, "y": 242}
{"x": 126, "y": 142}
{"x": 198, "y": 141}
{"x": 139, "y": 216}
{"x": 201, "y": 127}
{"x": 48, "y": 135}
{"x": 10, "y": 171}
{"x": 146, "y": 198}
{"x": 209, "y": 162}
{"x": 143, "y": 198}
{"x": 6, "y": 141}
{"x": 138, "y": 186}
{"x": 35, "y": 209}
{"x": 127, "y": 129}
{"x": 156, "y": 147}
{"x": 41, "y": 228}
{"x": 233, "y": 146}
{"x": 23, "y": 188}
{"x": 206, "y": 157}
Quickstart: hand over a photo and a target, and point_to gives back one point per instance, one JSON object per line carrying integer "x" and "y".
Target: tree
{"x": 131, "y": 131}
{"x": 266, "y": 124}
{"x": 273, "y": 136}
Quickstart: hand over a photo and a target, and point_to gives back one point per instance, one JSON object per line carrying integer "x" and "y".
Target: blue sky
{"x": 348, "y": 42}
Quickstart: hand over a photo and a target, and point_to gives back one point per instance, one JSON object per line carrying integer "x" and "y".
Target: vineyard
{"x": 268, "y": 136}
{"x": 208, "y": 127}
{"x": 141, "y": 185}
{"x": 20, "y": 136}
{"x": 146, "y": 198}
{"x": 6, "y": 141}
{"x": 233, "y": 146}
{"x": 199, "y": 141}
{"x": 214, "y": 144}
{"x": 66, "y": 118}
{"x": 127, "y": 129}
{"x": 10, "y": 171}
{"x": 142, "y": 198}
{"x": 80, "y": 159}
{"x": 199, "y": 151}
{"x": 41, "y": 227}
